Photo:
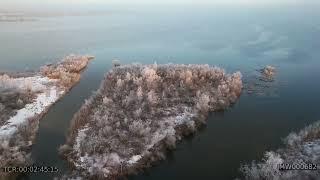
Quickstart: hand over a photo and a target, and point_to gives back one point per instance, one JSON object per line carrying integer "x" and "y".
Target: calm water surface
{"x": 242, "y": 39}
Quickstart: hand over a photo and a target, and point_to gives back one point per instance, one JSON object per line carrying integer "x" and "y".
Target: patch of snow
{"x": 134, "y": 159}
{"x": 183, "y": 118}
{"x": 97, "y": 163}
{"x": 43, "y": 100}
{"x": 34, "y": 83}
{"x": 312, "y": 150}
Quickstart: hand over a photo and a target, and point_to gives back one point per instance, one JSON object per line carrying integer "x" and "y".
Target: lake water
{"x": 242, "y": 38}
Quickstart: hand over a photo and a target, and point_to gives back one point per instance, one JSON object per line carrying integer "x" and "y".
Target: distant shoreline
{"x": 15, "y": 17}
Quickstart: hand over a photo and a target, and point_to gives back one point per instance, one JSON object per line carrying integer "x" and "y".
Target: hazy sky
{"x": 153, "y": 1}
{"x": 45, "y": 4}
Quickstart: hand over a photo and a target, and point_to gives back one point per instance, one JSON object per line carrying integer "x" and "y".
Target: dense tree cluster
{"x": 140, "y": 110}
{"x": 301, "y": 148}
{"x": 68, "y": 70}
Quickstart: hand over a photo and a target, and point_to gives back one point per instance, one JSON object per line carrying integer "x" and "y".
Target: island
{"x": 141, "y": 111}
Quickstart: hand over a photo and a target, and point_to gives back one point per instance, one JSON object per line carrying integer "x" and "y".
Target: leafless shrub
{"x": 268, "y": 72}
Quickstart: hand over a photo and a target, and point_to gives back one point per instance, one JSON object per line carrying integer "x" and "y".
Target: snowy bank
{"x": 302, "y": 150}
{"x": 140, "y": 111}
{"x": 42, "y": 100}
{"x": 20, "y": 115}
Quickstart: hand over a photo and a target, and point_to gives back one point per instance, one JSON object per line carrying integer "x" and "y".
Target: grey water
{"x": 235, "y": 38}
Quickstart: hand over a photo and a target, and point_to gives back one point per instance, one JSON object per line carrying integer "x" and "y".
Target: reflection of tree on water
{"x": 262, "y": 82}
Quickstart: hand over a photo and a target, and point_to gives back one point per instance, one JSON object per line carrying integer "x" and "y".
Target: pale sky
{"x": 154, "y": 1}
{"x": 44, "y": 4}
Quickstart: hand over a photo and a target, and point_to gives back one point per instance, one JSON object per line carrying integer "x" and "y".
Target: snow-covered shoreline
{"x": 43, "y": 100}
{"x": 18, "y": 131}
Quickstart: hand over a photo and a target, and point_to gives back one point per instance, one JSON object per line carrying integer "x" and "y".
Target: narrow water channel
{"x": 54, "y": 125}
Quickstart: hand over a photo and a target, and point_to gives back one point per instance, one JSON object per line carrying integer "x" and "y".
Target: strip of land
{"x": 142, "y": 110}
{"x": 25, "y": 98}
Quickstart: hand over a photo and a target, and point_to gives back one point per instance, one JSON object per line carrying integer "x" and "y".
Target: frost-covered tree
{"x": 152, "y": 97}
{"x": 203, "y": 102}
{"x": 68, "y": 70}
{"x": 139, "y": 92}
{"x": 140, "y": 110}
{"x": 301, "y": 148}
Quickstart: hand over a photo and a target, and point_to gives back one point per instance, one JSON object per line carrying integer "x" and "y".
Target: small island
{"x": 139, "y": 112}
{"x": 25, "y": 98}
